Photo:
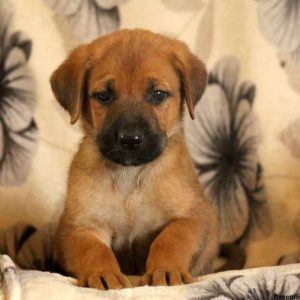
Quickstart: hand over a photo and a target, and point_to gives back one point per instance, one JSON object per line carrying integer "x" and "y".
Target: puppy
{"x": 134, "y": 204}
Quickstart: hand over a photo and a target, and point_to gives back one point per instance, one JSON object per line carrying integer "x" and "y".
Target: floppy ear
{"x": 68, "y": 82}
{"x": 193, "y": 77}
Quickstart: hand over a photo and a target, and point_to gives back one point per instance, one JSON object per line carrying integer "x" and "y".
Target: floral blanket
{"x": 245, "y": 140}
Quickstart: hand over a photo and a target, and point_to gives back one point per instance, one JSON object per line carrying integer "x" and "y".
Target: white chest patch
{"x": 126, "y": 204}
{"x": 138, "y": 217}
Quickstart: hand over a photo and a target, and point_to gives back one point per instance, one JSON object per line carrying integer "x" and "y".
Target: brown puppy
{"x": 134, "y": 204}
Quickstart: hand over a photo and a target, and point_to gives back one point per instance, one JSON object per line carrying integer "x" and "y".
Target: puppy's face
{"x": 134, "y": 103}
{"x": 129, "y": 87}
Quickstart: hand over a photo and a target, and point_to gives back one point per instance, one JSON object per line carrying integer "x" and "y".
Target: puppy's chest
{"x": 131, "y": 212}
{"x": 136, "y": 218}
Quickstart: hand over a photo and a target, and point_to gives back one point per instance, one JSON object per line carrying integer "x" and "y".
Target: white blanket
{"x": 259, "y": 283}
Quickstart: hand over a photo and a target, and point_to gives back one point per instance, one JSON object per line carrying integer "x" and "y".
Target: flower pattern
{"x": 279, "y": 22}
{"x": 29, "y": 247}
{"x": 223, "y": 142}
{"x": 265, "y": 285}
{"x": 223, "y": 139}
{"x": 88, "y": 19}
{"x": 18, "y": 132}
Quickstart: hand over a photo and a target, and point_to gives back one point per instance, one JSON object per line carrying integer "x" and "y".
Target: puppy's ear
{"x": 68, "y": 82}
{"x": 193, "y": 76}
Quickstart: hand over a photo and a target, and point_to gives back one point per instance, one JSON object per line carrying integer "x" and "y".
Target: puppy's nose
{"x": 130, "y": 141}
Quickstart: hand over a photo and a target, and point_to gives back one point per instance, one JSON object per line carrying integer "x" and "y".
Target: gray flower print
{"x": 279, "y": 21}
{"x": 18, "y": 132}
{"x": 88, "y": 19}
{"x": 29, "y": 247}
{"x": 266, "y": 285}
{"x": 223, "y": 142}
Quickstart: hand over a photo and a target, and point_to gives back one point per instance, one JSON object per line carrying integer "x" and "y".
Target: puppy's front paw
{"x": 105, "y": 281}
{"x": 165, "y": 277}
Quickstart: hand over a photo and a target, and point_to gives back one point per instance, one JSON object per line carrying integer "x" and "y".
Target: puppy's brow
{"x": 151, "y": 84}
{"x": 155, "y": 82}
{"x": 98, "y": 85}
{"x": 110, "y": 84}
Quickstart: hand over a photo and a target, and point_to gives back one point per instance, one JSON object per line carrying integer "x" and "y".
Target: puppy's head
{"x": 129, "y": 88}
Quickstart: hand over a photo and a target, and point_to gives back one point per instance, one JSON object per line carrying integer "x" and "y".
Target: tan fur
{"x": 156, "y": 212}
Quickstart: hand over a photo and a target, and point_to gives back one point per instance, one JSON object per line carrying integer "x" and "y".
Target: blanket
{"x": 244, "y": 141}
{"x": 262, "y": 283}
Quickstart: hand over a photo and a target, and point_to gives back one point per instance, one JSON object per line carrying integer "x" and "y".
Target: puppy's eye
{"x": 158, "y": 96}
{"x": 103, "y": 97}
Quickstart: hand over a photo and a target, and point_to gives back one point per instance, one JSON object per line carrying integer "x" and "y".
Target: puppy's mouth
{"x": 132, "y": 158}
{"x": 131, "y": 143}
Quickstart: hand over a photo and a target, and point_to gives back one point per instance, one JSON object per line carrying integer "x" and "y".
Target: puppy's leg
{"x": 183, "y": 246}
{"x": 202, "y": 262}
{"x": 93, "y": 263}
{"x": 171, "y": 253}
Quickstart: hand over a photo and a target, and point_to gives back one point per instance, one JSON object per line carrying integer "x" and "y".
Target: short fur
{"x": 151, "y": 219}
